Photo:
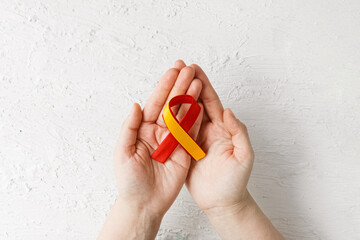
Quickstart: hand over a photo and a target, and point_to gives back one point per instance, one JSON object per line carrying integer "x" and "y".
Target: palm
{"x": 150, "y": 137}
{"x": 220, "y": 170}
{"x": 162, "y": 181}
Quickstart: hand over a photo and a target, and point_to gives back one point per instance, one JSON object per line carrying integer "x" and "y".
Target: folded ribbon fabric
{"x": 178, "y": 130}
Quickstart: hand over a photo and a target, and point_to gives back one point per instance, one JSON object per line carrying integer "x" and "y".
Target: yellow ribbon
{"x": 181, "y": 136}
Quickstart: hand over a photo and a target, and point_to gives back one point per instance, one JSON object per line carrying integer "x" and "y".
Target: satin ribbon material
{"x": 179, "y": 130}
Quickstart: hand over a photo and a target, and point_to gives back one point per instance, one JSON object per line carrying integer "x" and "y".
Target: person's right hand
{"x": 218, "y": 181}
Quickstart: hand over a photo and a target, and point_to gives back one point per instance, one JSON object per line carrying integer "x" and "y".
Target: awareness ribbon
{"x": 178, "y": 130}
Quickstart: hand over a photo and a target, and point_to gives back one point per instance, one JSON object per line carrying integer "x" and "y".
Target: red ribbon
{"x": 169, "y": 144}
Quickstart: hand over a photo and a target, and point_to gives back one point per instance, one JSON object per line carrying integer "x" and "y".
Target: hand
{"x": 140, "y": 179}
{"x": 147, "y": 187}
{"x": 218, "y": 181}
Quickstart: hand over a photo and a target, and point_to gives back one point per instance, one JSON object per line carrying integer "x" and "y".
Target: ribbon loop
{"x": 179, "y": 131}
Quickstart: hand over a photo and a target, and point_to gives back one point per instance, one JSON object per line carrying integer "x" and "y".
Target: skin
{"x": 217, "y": 182}
{"x": 146, "y": 187}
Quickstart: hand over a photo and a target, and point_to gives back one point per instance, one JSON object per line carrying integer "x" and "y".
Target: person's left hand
{"x": 141, "y": 180}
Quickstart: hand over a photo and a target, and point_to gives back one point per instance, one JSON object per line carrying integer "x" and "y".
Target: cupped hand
{"x": 219, "y": 180}
{"x": 143, "y": 182}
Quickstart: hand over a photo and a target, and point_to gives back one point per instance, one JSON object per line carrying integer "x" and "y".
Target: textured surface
{"x": 69, "y": 71}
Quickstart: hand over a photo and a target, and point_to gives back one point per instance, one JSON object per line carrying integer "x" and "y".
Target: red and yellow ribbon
{"x": 179, "y": 130}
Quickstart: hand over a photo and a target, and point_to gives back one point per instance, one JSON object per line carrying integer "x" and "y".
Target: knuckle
{"x": 242, "y": 126}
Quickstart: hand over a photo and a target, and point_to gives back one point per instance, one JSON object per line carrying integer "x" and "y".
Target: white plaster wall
{"x": 69, "y": 71}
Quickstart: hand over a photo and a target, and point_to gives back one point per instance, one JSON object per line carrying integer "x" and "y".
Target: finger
{"x": 181, "y": 85}
{"x": 239, "y": 133}
{"x": 194, "y": 90}
{"x": 179, "y": 64}
{"x": 211, "y": 100}
{"x": 129, "y": 130}
{"x": 205, "y": 115}
{"x": 157, "y": 99}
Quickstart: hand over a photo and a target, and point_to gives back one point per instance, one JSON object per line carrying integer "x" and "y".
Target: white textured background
{"x": 69, "y": 71}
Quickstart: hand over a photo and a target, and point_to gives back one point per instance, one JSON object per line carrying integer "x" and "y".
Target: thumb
{"x": 239, "y": 134}
{"x": 129, "y": 130}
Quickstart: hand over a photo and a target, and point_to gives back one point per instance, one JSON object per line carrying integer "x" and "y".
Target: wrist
{"x": 141, "y": 220}
{"x": 131, "y": 208}
{"x": 244, "y": 220}
{"x": 238, "y": 209}
{"x": 128, "y": 220}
